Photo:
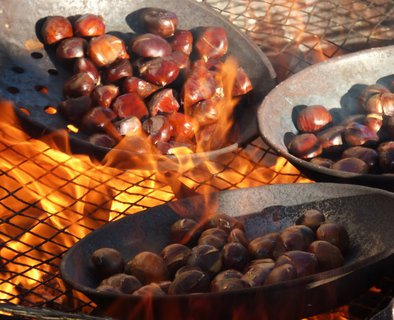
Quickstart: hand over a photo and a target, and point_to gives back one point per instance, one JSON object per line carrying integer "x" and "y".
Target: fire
{"x": 51, "y": 199}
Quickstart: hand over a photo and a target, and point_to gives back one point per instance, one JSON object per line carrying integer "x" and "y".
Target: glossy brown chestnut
{"x": 89, "y": 25}
{"x": 107, "y": 262}
{"x": 206, "y": 112}
{"x": 56, "y": 28}
{"x": 257, "y": 273}
{"x": 263, "y": 247}
{"x": 128, "y": 126}
{"x": 80, "y": 84}
{"x": 102, "y": 140}
{"x": 159, "y": 21}
{"x": 374, "y": 121}
{"x": 354, "y": 165}
{"x": 281, "y": 273}
{"x": 98, "y": 118}
{"x": 331, "y": 139}
{"x": 137, "y": 85}
{"x": 163, "y": 101}
{"x": 242, "y": 83}
{"x": 306, "y": 146}
{"x": 104, "y": 95}
{"x": 211, "y": 42}
{"x": 106, "y": 49}
{"x": 182, "y": 41}
{"x": 238, "y": 235}
{"x": 150, "y": 290}
{"x": 192, "y": 281}
{"x": 386, "y": 156}
{"x": 297, "y": 237}
{"x": 75, "y": 108}
{"x": 149, "y": 45}
{"x": 215, "y": 237}
{"x": 159, "y": 71}
{"x": 382, "y": 103}
{"x": 118, "y": 70}
{"x": 305, "y": 263}
{"x": 84, "y": 65}
{"x": 123, "y": 282}
{"x": 322, "y": 162}
{"x": 158, "y": 128}
{"x": 147, "y": 267}
{"x": 368, "y": 155}
{"x": 184, "y": 231}
{"x": 130, "y": 105}
{"x": 327, "y": 255}
{"x": 175, "y": 256}
{"x": 313, "y": 118}
{"x": 358, "y": 134}
{"x": 182, "y": 60}
{"x": 334, "y": 233}
{"x": 235, "y": 256}
{"x": 227, "y": 274}
{"x": 371, "y": 90}
{"x": 71, "y": 48}
{"x": 311, "y": 218}
{"x": 206, "y": 257}
{"x": 184, "y": 127}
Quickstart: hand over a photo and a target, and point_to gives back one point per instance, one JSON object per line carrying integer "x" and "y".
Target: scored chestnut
{"x": 182, "y": 41}
{"x": 84, "y": 65}
{"x": 106, "y": 49}
{"x": 305, "y": 146}
{"x": 71, "y": 48}
{"x": 107, "y": 261}
{"x": 129, "y": 105}
{"x": 313, "y": 118}
{"x": 89, "y": 25}
{"x": 56, "y": 28}
{"x": 159, "y": 21}
{"x": 211, "y": 43}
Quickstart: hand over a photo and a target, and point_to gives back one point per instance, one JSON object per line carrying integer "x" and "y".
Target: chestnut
{"x": 98, "y": 118}
{"x": 235, "y": 256}
{"x": 158, "y": 128}
{"x": 257, "y": 273}
{"x": 175, "y": 256}
{"x": 305, "y": 146}
{"x": 311, "y": 218}
{"x": 118, "y": 70}
{"x": 327, "y": 255}
{"x": 238, "y": 235}
{"x": 80, "y": 84}
{"x": 184, "y": 127}
{"x": 389, "y": 127}
{"x": 206, "y": 257}
{"x": 147, "y": 267}
{"x": 371, "y": 90}
{"x": 357, "y": 134}
{"x": 89, "y": 25}
{"x": 331, "y": 139}
{"x": 242, "y": 83}
{"x": 191, "y": 281}
{"x": 128, "y": 126}
{"x": 224, "y": 222}
{"x": 56, "y": 28}
{"x": 184, "y": 231}
{"x": 149, "y": 45}
{"x": 75, "y": 108}
{"x": 104, "y": 95}
{"x": 106, "y": 49}
{"x": 211, "y": 42}
{"x": 159, "y": 21}
{"x": 206, "y": 111}
{"x": 229, "y": 285}
{"x": 281, "y": 273}
{"x": 123, "y": 282}
{"x": 322, "y": 162}
{"x": 354, "y": 165}
{"x": 374, "y": 121}
{"x": 150, "y": 290}
{"x": 185, "y": 269}
{"x": 263, "y": 247}
{"x": 129, "y": 105}
{"x": 382, "y": 103}
{"x": 182, "y": 41}
{"x": 107, "y": 262}
{"x": 297, "y": 237}
{"x": 368, "y": 155}
{"x": 71, "y": 48}
{"x": 102, "y": 140}
{"x": 163, "y": 101}
{"x": 305, "y": 263}
{"x": 212, "y": 240}
{"x": 106, "y": 288}
{"x": 334, "y": 233}
{"x": 227, "y": 274}
{"x": 313, "y": 118}
{"x": 164, "y": 285}
{"x": 159, "y": 71}
{"x": 84, "y": 65}
{"x": 386, "y": 156}
{"x": 137, "y": 85}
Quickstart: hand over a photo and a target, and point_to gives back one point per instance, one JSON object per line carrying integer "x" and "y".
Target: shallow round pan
{"x": 19, "y": 41}
{"x": 366, "y": 213}
{"x": 335, "y": 84}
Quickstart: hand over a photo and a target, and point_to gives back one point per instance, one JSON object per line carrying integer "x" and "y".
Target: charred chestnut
{"x": 107, "y": 262}
{"x": 147, "y": 267}
{"x": 313, "y": 118}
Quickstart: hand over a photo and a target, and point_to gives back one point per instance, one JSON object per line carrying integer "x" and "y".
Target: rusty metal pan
{"x": 26, "y": 66}
{"x": 365, "y": 212}
{"x": 336, "y": 84}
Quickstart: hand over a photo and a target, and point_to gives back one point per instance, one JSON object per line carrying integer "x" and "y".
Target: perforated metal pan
{"x": 26, "y": 66}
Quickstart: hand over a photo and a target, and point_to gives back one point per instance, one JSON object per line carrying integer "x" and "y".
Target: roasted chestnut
{"x": 128, "y": 126}
{"x": 242, "y": 83}
{"x": 84, "y": 65}
{"x": 182, "y": 41}
{"x": 147, "y": 267}
{"x": 150, "y": 290}
{"x": 296, "y": 237}
{"x": 118, "y": 70}
{"x": 163, "y": 101}
{"x": 158, "y": 128}
{"x": 159, "y": 21}
{"x": 137, "y": 85}
{"x": 75, "y": 108}
{"x": 313, "y": 118}
{"x": 184, "y": 231}
{"x": 334, "y": 233}
{"x": 368, "y": 155}
{"x": 80, "y": 84}
{"x": 235, "y": 256}
{"x": 229, "y": 285}
{"x": 123, "y": 282}
{"x": 206, "y": 257}
{"x": 104, "y": 95}
{"x": 354, "y": 165}
{"x": 224, "y": 222}
{"x": 322, "y": 162}
{"x": 89, "y": 25}
{"x": 327, "y": 255}
{"x": 98, "y": 118}
{"x": 382, "y": 103}
{"x": 149, "y": 45}
{"x": 312, "y": 218}
{"x": 129, "y": 105}
{"x": 107, "y": 262}
{"x": 357, "y": 134}
{"x": 102, "y": 140}
{"x": 257, "y": 273}
{"x": 159, "y": 71}
{"x": 374, "y": 121}
{"x": 305, "y": 146}
{"x": 56, "y": 28}
{"x": 305, "y": 263}
{"x": 184, "y": 127}
{"x": 281, "y": 273}
{"x": 263, "y": 247}
{"x": 331, "y": 139}
{"x": 238, "y": 235}
{"x": 211, "y": 43}
{"x": 371, "y": 90}
{"x": 106, "y": 49}
{"x": 386, "y": 156}
{"x": 191, "y": 281}
{"x": 175, "y": 256}
{"x": 71, "y": 48}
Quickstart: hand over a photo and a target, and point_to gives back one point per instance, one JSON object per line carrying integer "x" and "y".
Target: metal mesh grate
{"x": 50, "y": 200}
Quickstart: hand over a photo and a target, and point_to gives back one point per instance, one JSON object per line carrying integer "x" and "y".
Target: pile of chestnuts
{"x": 362, "y": 143}
{"x": 165, "y": 84}
{"x": 217, "y": 256}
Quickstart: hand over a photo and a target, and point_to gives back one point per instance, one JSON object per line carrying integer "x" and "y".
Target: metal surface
{"x": 336, "y": 84}
{"x": 365, "y": 213}
{"x": 26, "y": 66}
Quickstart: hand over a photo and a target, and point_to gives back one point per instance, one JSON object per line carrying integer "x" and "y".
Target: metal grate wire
{"x": 46, "y": 196}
